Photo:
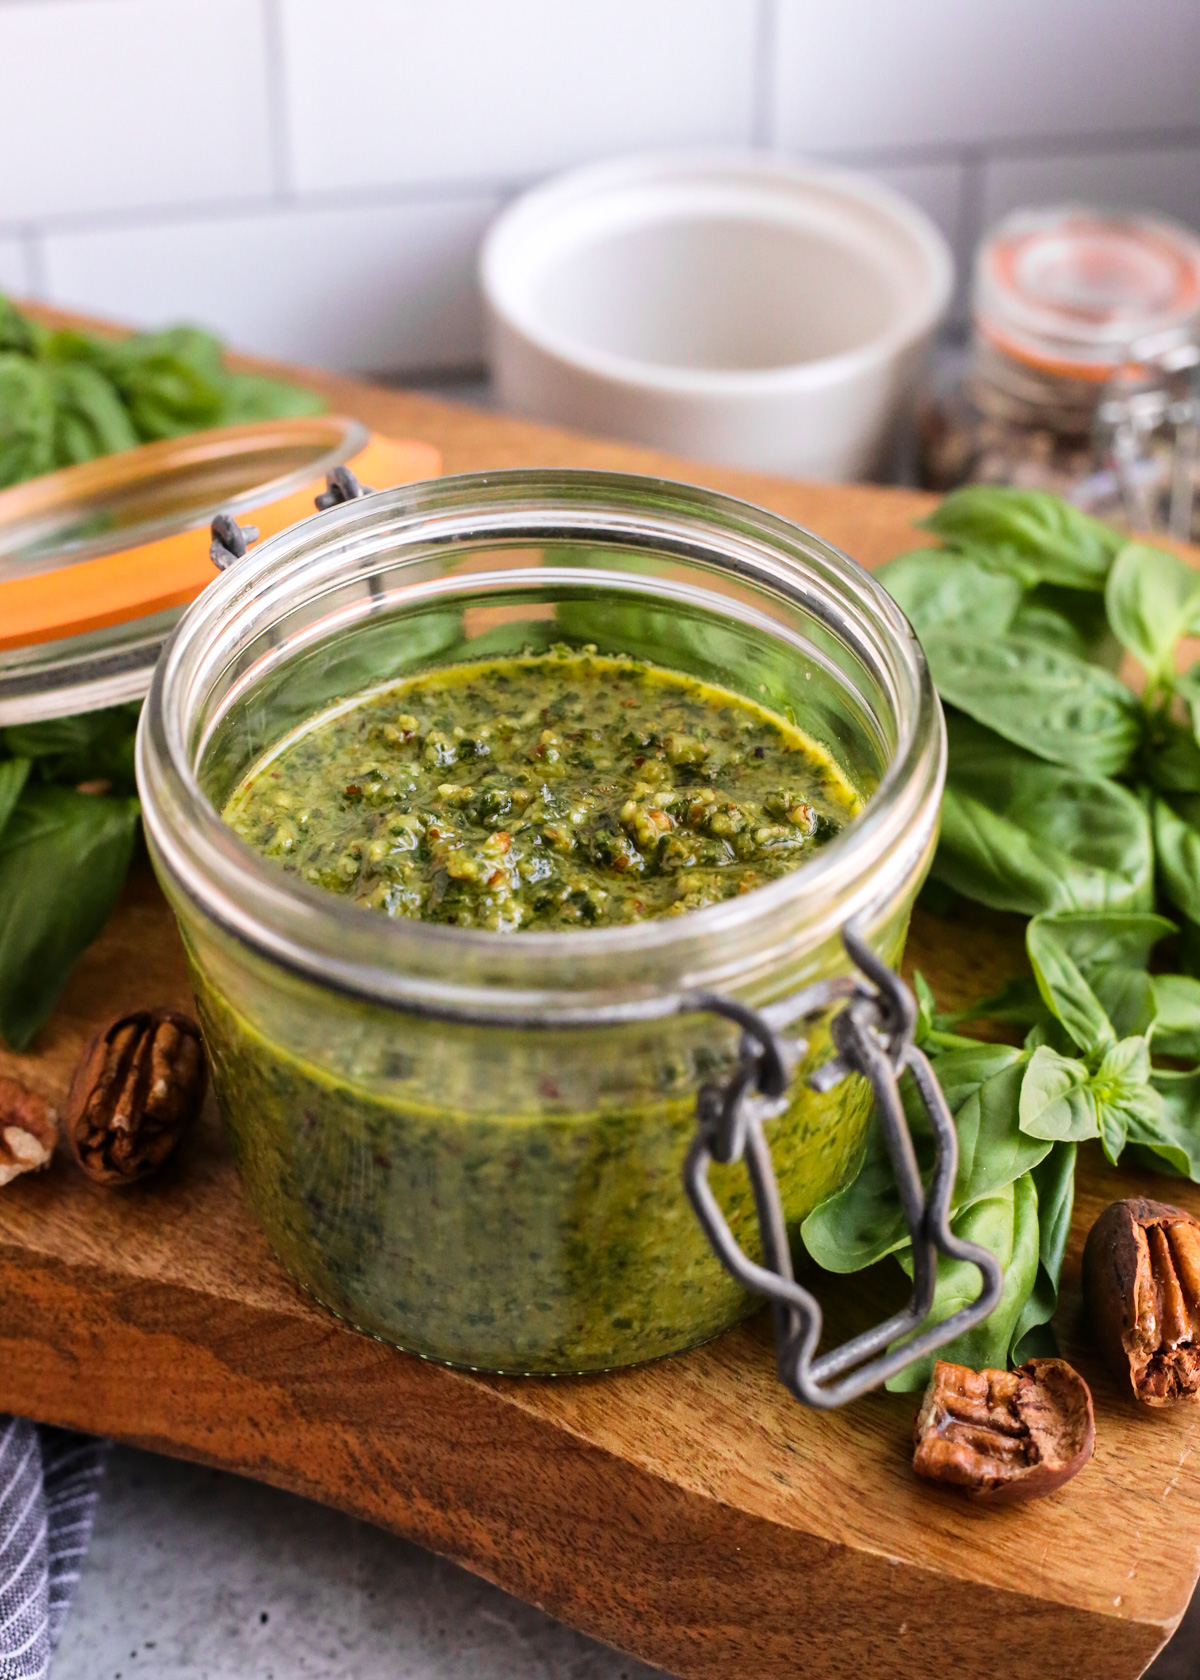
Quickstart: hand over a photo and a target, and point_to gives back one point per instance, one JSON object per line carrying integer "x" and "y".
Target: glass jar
{"x": 470, "y": 1143}
{"x": 1081, "y": 375}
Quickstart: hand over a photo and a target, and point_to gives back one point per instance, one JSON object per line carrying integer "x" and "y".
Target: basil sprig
{"x": 1074, "y": 800}
{"x": 67, "y": 396}
{"x": 68, "y": 827}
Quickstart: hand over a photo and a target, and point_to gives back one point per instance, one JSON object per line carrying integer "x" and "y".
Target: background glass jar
{"x": 1081, "y": 375}
{"x": 471, "y": 1143}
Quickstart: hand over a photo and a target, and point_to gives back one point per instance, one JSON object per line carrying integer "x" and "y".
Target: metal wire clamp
{"x": 873, "y": 1036}
{"x": 230, "y": 540}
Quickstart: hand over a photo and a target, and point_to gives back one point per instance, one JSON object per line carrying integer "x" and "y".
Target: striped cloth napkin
{"x": 49, "y": 1484}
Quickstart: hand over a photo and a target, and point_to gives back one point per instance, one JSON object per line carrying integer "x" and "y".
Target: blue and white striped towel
{"x": 49, "y": 1484}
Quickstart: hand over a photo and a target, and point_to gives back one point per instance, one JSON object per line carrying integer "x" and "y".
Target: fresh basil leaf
{"x": 1063, "y": 986}
{"x": 87, "y": 746}
{"x": 17, "y": 331}
{"x": 1018, "y": 1002}
{"x": 1177, "y": 1015}
{"x": 63, "y": 858}
{"x": 1177, "y": 847}
{"x": 1111, "y": 951}
{"x": 1171, "y": 1138}
{"x": 13, "y": 775}
{"x": 90, "y": 418}
{"x": 26, "y": 419}
{"x": 1172, "y": 761}
{"x": 1056, "y": 1099}
{"x": 1127, "y": 997}
{"x": 1098, "y": 941}
{"x": 247, "y": 397}
{"x": 864, "y": 1222}
{"x": 1124, "y": 1094}
{"x": 1060, "y": 543}
{"x": 1060, "y": 708}
{"x": 1072, "y": 620}
{"x": 1020, "y": 834}
{"x": 926, "y": 1007}
{"x": 1153, "y": 598}
{"x": 1187, "y": 686}
{"x": 1033, "y": 623}
{"x": 1005, "y": 1222}
{"x": 933, "y": 587}
{"x": 1054, "y": 1181}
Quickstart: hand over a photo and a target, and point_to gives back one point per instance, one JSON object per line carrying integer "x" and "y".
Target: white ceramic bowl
{"x": 759, "y": 313}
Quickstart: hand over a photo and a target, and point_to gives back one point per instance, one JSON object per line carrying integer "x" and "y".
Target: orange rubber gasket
{"x": 171, "y": 571}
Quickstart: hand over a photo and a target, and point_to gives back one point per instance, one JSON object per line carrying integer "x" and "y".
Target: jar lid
{"x": 97, "y": 561}
{"x": 1082, "y": 293}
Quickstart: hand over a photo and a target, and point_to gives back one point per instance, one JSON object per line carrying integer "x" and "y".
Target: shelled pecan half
{"x": 28, "y": 1130}
{"x": 1004, "y": 1436}
{"x": 1141, "y": 1285}
{"x": 138, "y": 1086}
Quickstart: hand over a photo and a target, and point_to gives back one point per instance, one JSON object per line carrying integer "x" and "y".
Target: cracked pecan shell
{"x": 1141, "y": 1285}
{"x": 138, "y": 1087}
{"x": 28, "y": 1130}
{"x": 1004, "y": 1436}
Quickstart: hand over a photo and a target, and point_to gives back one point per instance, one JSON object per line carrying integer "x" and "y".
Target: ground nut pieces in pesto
{"x": 547, "y": 791}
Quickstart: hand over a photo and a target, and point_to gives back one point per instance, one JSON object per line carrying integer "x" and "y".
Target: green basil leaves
{"x": 63, "y": 859}
{"x": 67, "y": 397}
{"x": 64, "y": 853}
{"x": 1074, "y": 801}
{"x": 1054, "y": 705}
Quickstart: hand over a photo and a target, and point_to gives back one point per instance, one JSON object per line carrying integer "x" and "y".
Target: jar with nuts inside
{"x": 1082, "y": 371}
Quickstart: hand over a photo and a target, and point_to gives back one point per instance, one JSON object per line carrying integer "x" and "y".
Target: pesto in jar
{"x": 553, "y": 791}
{"x": 513, "y": 1199}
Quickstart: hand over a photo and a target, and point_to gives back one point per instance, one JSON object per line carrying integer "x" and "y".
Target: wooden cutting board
{"x": 689, "y": 1512}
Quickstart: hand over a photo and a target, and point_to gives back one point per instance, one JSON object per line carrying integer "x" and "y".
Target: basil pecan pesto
{"x": 548, "y": 791}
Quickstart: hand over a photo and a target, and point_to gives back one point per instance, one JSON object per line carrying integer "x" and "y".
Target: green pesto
{"x": 462, "y": 1210}
{"x": 488, "y": 1197}
{"x": 550, "y": 791}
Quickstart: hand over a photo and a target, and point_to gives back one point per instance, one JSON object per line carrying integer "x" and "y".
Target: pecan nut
{"x": 1141, "y": 1284}
{"x": 1004, "y": 1436}
{"x": 28, "y": 1130}
{"x": 138, "y": 1086}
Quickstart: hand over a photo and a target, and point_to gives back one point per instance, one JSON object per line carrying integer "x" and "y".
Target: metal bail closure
{"x": 340, "y": 486}
{"x": 873, "y": 1036}
{"x": 229, "y": 540}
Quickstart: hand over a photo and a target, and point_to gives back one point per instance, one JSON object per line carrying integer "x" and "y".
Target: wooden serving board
{"x": 689, "y": 1512}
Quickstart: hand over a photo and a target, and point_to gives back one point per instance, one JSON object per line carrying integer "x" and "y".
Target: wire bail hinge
{"x": 229, "y": 540}
{"x": 341, "y": 485}
{"x": 873, "y": 1037}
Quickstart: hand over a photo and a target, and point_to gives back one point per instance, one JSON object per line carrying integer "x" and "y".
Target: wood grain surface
{"x": 689, "y": 1512}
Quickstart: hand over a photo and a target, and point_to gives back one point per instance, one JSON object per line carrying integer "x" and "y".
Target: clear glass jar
{"x": 471, "y": 1143}
{"x": 1081, "y": 376}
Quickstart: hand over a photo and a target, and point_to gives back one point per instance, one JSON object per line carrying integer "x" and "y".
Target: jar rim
{"x": 627, "y": 971}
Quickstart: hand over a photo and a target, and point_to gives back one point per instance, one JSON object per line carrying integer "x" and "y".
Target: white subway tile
{"x": 916, "y": 72}
{"x": 117, "y": 104}
{"x": 1162, "y": 179}
{"x": 14, "y": 271}
{"x": 388, "y": 91}
{"x": 382, "y": 288}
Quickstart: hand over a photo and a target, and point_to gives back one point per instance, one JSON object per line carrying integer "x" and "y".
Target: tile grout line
{"x": 278, "y": 116}
{"x": 764, "y": 126}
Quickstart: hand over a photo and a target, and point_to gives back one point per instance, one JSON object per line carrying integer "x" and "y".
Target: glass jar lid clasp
{"x": 873, "y": 1037}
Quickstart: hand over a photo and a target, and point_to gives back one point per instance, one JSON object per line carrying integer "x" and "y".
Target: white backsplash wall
{"x": 311, "y": 177}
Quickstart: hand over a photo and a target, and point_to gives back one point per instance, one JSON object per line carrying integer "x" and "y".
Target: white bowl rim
{"x": 593, "y": 180}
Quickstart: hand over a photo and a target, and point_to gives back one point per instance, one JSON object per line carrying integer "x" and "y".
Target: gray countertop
{"x": 194, "y": 1574}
